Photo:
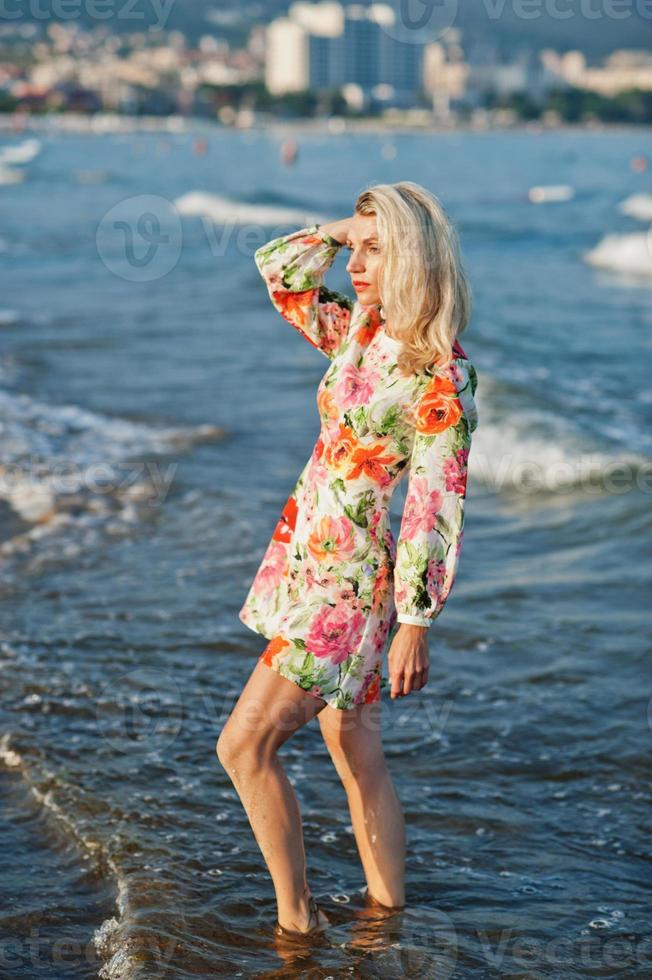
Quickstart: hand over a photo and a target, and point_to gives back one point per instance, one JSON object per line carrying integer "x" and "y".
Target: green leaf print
{"x": 389, "y": 421}
{"x": 327, "y": 295}
{"x": 444, "y": 527}
{"x": 353, "y": 667}
{"x": 360, "y": 421}
{"x": 297, "y": 279}
{"x": 345, "y": 700}
{"x": 358, "y": 514}
{"x": 412, "y": 553}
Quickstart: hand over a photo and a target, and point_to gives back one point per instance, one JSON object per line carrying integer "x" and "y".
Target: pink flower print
{"x": 348, "y": 595}
{"x": 400, "y": 596}
{"x": 455, "y": 470}
{"x": 271, "y": 572}
{"x": 326, "y": 580}
{"x": 435, "y": 577}
{"x": 334, "y": 633}
{"x": 390, "y": 544}
{"x": 356, "y": 386}
{"x": 458, "y": 546}
{"x": 373, "y": 524}
{"x": 456, "y": 375}
{"x": 333, "y": 320}
{"x": 318, "y": 473}
{"x": 421, "y": 509}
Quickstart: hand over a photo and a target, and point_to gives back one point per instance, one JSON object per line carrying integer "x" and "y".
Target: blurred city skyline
{"x": 436, "y": 65}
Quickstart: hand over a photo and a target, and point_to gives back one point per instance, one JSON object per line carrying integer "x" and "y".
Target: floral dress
{"x": 333, "y": 582}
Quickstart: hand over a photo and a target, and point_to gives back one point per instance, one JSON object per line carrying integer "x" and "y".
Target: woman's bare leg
{"x": 354, "y": 742}
{"x": 269, "y": 710}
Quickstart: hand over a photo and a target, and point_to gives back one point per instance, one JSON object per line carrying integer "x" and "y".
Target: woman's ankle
{"x": 298, "y": 917}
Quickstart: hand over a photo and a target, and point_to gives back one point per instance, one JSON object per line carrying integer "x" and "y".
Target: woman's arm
{"x": 430, "y": 539}
{"x": 293, "y": 267}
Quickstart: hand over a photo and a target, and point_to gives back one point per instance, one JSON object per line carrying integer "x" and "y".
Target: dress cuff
{"x": 414, "y": 620}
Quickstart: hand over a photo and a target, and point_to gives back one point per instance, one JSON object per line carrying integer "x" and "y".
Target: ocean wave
{"x": 630, "y": 254}
{"x": 224, "y": 210}
{"x": 637, "y": 206}
{"x": 21, "y": 152}
{"x": 532, "y": 453}
{"x": 64, "y": 466}
{"x": 119, "y": 962}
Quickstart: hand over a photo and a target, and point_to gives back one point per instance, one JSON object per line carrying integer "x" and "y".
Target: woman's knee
{"x": 239, "y": 752}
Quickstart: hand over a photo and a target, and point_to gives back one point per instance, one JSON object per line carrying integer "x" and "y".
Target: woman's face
{"x": 365, "y": 260}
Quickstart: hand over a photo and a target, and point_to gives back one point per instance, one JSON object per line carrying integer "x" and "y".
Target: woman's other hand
{"x": 408, "y": 660}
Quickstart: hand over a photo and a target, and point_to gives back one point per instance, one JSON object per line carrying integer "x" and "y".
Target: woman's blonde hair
{"x": 425, "y": 296}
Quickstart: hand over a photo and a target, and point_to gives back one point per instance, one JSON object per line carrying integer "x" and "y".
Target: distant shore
{"x": 122, "y": 123}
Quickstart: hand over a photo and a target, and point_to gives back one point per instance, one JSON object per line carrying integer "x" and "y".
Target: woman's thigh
{"x": 269, "y": 710}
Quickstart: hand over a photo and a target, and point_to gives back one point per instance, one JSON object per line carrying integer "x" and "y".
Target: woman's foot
{"x": 317, "y": 920}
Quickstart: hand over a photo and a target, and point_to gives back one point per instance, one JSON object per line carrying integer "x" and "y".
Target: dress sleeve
{"x": 430, "y": 539}
{"x": 293, "y": 267}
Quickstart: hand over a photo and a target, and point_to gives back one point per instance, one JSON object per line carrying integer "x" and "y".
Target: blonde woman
{"x": 334, "y": 584}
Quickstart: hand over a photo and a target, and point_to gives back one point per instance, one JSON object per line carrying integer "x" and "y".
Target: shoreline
{"x": 102, "y": 123}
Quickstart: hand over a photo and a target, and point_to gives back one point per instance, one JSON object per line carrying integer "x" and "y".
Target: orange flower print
{"x": 273, "y": 648}
{"x": 294, "y": 306}
{"x": 287, "y": 521}
{"x": 369, "y": 326}
{"x": 439, "y": 408}
{"x": 373, "y": 463}
{"x": 373, "y": 691}
{"x": 339, "y": 451}
{"x": 326, "y": 405}
{"x": 332, "y": 539}
{"x": 381, "y": 588}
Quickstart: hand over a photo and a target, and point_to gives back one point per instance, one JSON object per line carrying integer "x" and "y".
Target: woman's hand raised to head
{"x": 338, "y": 229}
{"x": 408, "y": 660}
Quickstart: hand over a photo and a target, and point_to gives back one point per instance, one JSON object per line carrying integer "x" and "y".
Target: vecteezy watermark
{"x": 30, "y": 954}
{"x": 427, "y": 945}
{"x": 140, "y": 238}
{"x": 424, "y": 21}
{"x": 140, "y": 712}
{"x": 511, "y": 952}
{"x": 152, "y": 14}
{"x": 593, "y": 474}
{"x": 56, "y": 478}
{"x": 416, "y": 21}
